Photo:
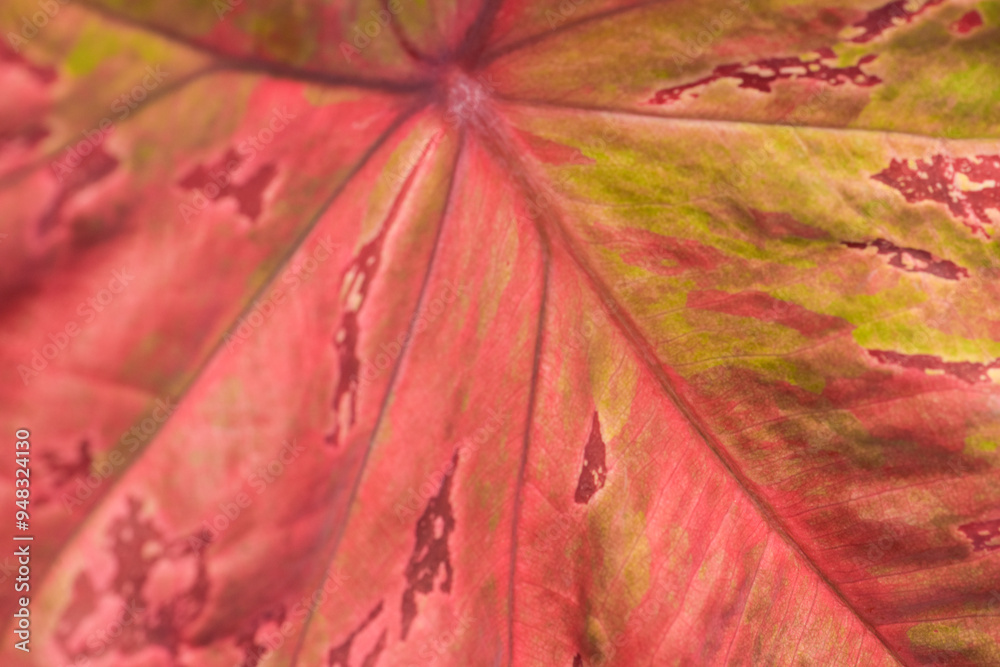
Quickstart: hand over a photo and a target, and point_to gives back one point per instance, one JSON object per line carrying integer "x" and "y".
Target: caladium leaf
{"x": 503, "y": 332}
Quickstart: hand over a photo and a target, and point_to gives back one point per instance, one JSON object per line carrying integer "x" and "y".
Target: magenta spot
{"x": 913, "y": 259}
{"x": 938, "y": 179}
{"x": 969, "y": 22}
{"x": 984, "y": 535}
{"x": 430, "y": 552}
{"x": 356, "y": 281}
{"x": 889, "y": 16}
{"x": 594, "y": 471}
{"x": 136, "y": 546}
{"x": 761, "y": 74}
{"x": 967, "y": 371}
{"x": 61, "y": 473}
{"x": 217, "y": 180}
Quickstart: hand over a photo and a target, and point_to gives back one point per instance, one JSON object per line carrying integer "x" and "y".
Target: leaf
{"x": 525, "y": 333}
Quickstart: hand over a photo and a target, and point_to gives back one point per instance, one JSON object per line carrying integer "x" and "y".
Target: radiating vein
{"x": 226, "y": 60}
{"x": 643, "y": 349}
{"x": 251, "y": 302}
{"x": 393, "y": 378}
{"x": 162, "y": 93}
{"x": 563, "y": 28}
{"x": 526, "y": 446}
{"x": 691, "y": 120}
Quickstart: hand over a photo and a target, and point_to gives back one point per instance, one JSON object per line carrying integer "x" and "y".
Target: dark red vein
{"x": 470, "y": 51}
{"x": 404, "y": 40}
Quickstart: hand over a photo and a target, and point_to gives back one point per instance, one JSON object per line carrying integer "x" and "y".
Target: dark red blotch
{"x": 879, "y": 20}
{"x": 361, "y": 271}
{"x": 430, "y": 552}
{"x": 248, "y": 194}
{"x": 984, "y": 535}
{"x": 61, "y": 472}
{"x": 969, "y": 22}
{"x": 934, "y": 180}
{"x": 594, "y": 470}
{"x": 136, "y": 546}
{"x": 913, "y": 260}
{"x": 967, "y": 371}
{"x": 775, "y": 69}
